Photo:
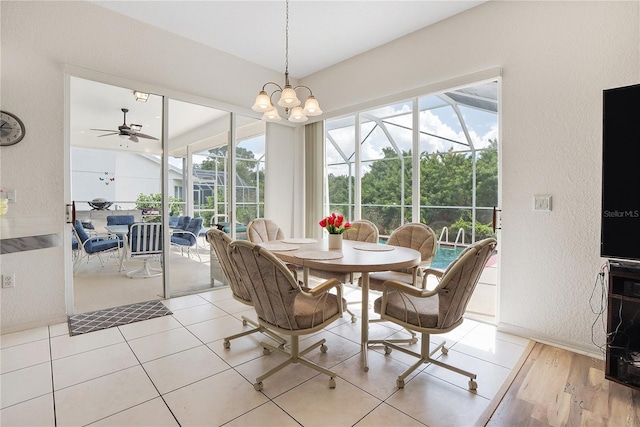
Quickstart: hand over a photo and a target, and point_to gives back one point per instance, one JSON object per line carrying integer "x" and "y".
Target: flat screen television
{"x": 620, "y": 226}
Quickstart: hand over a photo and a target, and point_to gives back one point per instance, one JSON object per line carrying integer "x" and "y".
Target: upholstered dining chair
{"x": 436, "y": 311}
{"x": 283, "y": 306}
{"x": 361, "y": 231}
{"x": 219, "y": 241}
{"x": 263, "y": 230}
{"x": 416, "y": 236}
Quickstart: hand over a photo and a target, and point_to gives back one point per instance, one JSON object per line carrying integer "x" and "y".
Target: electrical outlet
{"x": 542, "y": 203}
{"x": 9, "y": 280}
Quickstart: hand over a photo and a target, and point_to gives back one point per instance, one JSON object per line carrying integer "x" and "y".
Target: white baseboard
{"x": 51, "y": 320}
{"x": 576, "y": 347}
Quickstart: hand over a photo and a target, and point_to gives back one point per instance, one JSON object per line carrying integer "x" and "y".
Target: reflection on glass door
{"x": 115, "y": 180}
{"x": 197, "y": 183}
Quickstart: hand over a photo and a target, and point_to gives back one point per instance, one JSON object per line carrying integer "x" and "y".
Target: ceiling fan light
{"x": 263, "y": 102}
{"x": 140, "y": 96}
{"x": 312, "y": 107}
{"x": 297, "y": 115}
{"x": 288, "y": 99}
{"x": 123, "y": 136}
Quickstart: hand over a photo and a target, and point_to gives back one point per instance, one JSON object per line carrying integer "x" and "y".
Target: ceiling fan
{"x": 125, "y": 131}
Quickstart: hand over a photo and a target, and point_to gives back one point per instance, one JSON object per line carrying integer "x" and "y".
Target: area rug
{"x": 103, "y": 319}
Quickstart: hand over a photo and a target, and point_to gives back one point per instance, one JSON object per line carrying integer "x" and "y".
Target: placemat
{"x": 373, "y": 247}
{"x": 318, "y": 254}
{"x": 298, "y": 240}
{"x": 278, "y": 246}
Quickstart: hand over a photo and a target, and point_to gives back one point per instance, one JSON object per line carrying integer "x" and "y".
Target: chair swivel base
{"x": 257, "y": 328}
{"x": 144, "y": 272}
{"x": 425, "y": 357}
{"x": 295, "y": 356}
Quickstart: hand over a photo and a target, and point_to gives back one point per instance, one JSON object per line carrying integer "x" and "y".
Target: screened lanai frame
{"x": 468, "y": 120}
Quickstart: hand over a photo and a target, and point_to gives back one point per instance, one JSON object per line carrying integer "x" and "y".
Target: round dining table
{"x": 357, "y": 257}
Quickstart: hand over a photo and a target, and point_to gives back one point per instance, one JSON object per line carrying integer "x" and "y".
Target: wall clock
{"x": 11, "y": 129}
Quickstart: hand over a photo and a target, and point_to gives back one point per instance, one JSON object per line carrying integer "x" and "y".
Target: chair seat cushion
{"x": 180, "y": 240}
{"x": 421, "y": 312}
{"x": 102, "y": 245}
{"x": 310, "y": 312}
{"x": 377, "y": 279}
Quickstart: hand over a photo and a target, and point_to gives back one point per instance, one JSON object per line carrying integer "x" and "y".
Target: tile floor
{"x": 174, "y": 371}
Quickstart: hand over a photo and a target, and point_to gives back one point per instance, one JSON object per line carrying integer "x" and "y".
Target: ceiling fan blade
{"x": 142, "y": 135}
{"x": 107, "y": 134}
{"x": 105, "y": 130}
{"x": 133, "y": 138}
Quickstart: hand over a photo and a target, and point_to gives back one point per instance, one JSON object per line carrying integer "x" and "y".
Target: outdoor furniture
{"x": 93, "y": 245}
{"x": 144, "y": 240}
{"x": 120, "y": 220}
{"x": 187, "y": 238}
{"x": 283, "y": 307}
{"x": 434, "y": 312}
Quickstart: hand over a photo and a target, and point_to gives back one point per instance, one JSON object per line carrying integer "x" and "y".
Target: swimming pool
{"x": 445, "y": 256}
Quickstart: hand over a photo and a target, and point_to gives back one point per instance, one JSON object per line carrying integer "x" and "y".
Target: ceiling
{"x": 253, "y": 30}
{"x": 321, "y": 33}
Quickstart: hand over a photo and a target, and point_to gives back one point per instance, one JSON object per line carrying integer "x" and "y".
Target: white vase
{"x": 335, "y": 242}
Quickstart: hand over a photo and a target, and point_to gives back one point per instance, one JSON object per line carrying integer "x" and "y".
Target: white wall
{"x": 39, "y": 40}
{"x": 556, "y": 58}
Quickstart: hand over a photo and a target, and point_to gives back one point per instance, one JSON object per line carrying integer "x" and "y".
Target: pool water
{"x": 445, "y": 256}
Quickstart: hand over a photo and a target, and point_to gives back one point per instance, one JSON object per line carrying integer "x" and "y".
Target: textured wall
{"x": 556, "y": 58}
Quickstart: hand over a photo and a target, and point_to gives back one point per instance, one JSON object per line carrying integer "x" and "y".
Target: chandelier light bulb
{"x": 312, "y": 107}
{"x": 297, "y": 115}
{"x": 263, "y": 102}
{"x": 288, "y": 98}
{"x": 271, "y": 115}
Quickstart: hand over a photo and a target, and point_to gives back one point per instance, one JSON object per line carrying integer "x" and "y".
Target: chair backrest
{"x": 459, "y": 281}
{"x": 416, "y": 236}
{"x": 362, "y": 231}
{"x": 194, "y": 226}
{"x": 145, "y": 238}
{"x": 173, "y": 221}
{"x": 120, "y": 219}
{"x": 270, "y": 284}
{"x": 80, "y": 231}
{"x": 183, "y": 222}
{"x": 263, "y": 230}
{"x": 219, "y": 242}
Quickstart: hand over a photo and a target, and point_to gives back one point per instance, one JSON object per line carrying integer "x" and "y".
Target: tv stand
{"x": 622, "y": 363}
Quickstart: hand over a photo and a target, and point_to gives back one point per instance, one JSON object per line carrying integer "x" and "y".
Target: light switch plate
{"x": 542, "y": 203}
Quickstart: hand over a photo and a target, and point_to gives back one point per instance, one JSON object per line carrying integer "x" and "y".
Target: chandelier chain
{"x": 286, "y": 38}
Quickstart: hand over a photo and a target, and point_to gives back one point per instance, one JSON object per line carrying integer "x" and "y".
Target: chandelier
{"x": 288, "y": 97}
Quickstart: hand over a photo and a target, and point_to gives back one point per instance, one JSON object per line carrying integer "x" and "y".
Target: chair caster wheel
{"x": 400, "y": 383}
{"x": 323, "y": 348}
{"x": 332, "y": 382}
{"x": 244, "y": 322}
{"x": 258, "y": 386}
{"x": 281, "y": 346}
{"x": 353, "y": 319}
{"x": 473, "y": 385}
{"x": 266, "y": 351}
{"x": 226, "y": 344}
{"x": 413, "y": 340}
{"x": 387, "y": 350}
{"x": 444, "y": 350}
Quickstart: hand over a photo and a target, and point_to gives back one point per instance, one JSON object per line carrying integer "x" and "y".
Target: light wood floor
{"x": 556, "y": 387}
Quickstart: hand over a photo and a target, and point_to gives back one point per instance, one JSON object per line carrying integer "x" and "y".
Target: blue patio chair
{"x": 173, "y": 221}
{"x": 144, "y": 241}
{"x": 183, "y": 222}
{"x": 93, "y": 245}
{"x": 120, "y": 220}
{"x": 188, "y": 238}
